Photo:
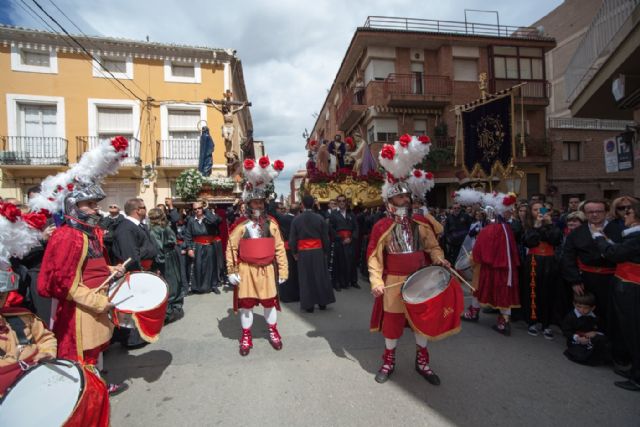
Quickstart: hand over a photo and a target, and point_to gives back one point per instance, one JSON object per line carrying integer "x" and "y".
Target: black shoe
{"x": 431, "y": 377}
{"x": 382, "y": 376}
{"x": 115, "y": 389}
{"x": 216, "y": 290}
{"x": 628, "y": 385}
{"x": 355, "y": 285}
{"x": 623, "y": 373}
{"x": 337, "y": 289}
{"x": 322, "y": 307}
{"x": 309, "y": 310}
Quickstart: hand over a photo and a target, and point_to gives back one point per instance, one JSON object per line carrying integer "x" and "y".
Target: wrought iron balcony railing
{"x": 416, "y": 84}
{"x": 178, "y": 152}
{"x": 33, "y": 150}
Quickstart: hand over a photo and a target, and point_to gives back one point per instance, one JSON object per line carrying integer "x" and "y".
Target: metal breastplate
{"x": 404, "y": 238}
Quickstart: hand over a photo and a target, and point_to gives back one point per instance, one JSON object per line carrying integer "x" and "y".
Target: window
{"x": 386, "y": 130}
{"x": 120, "y": 67}
{"x": 379, "y": 69}
{"x": 417, "y": 70}
{"x": 182, "y": 72}
{"x": 34, "y": 60}
{"x": 571, "y": 151}
{"x": 465, "y": 69}
{"x": 37, "y": 120}
{"x": 420, "y": 127}
{"x": 114, "y": 121}
{"x": 518, "y": 63}
{"x": 533, "y": 183}
{"x": 183, "y": 124}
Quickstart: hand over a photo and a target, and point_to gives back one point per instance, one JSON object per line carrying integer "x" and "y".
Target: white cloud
{"x": 290, "y": 49}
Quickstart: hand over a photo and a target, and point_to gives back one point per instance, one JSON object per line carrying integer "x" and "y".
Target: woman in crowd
{"x": 166, "y": 262}
{"x": 540, "y": 268}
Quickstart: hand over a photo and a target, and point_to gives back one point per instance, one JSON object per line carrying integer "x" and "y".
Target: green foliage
{"x": 439, "y": 157}
{"x": 190, "y": 183}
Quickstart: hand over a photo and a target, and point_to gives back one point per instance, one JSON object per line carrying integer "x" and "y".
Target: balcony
{"x": 86, "y": 143}
{"x": 350, "y": 110}
{"x": 589, "y": 124}
{"x": 538, "y": 150}
{"x": 415, "y": 90}
{"x": 32, "y": 150}
{"x": 465, "y": 28}
{"x": 535, "y": 92}
{"x": 178, "y": 152}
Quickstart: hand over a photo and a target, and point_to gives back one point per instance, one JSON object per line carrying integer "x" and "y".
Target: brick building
{"x": 404, "y": 75}
{"x": 577, "y": 162}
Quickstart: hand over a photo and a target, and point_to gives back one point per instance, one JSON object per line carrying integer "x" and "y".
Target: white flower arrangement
{"x": 190, "y": 183}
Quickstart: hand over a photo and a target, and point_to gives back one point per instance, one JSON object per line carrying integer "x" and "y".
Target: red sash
{"x": 286, "y": 245}
{"x": 308, "y": 244}
{"x": 344, "y": 234}
{"x": 628, "y": 272}
{"x": 146, "y": 264}
{"x": 206, "y": 240}
{"x": 260, "y": 251}
{"x": 95, "y": 271}
{"x": 405, "y": 264}
{"x": 543, "y": 249}
{"x": 597, "y": 270}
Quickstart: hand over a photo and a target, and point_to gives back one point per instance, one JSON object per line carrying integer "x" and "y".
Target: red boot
{"x": 503, "y": 326}
{"x": 422, "y": 366}
{"x": 471, "y": 315}
{"x": 388, "y": 365}
{"x": 274, "y": 337}
{"x": 246, "y": 342}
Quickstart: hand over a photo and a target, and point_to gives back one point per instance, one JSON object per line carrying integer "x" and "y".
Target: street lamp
{"x": 513, "y": 178}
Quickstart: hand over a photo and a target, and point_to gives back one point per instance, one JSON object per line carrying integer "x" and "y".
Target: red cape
{"x": 60, "y": 271}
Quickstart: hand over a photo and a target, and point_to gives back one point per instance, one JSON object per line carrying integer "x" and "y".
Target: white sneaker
{"x": 548, "y": 334}
{"x": 533, "y": 331}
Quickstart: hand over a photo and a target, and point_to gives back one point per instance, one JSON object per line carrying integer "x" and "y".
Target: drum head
{"x": 425, "y": 283}
{"x": 145, "y": 291}
{"x": 45, "y": 396}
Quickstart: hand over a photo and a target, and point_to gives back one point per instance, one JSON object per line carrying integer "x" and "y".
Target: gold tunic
{"x": 43, "y": 340}
{"x": 255, "y": 281}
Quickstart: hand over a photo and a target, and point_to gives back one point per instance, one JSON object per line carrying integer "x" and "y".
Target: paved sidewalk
{"x": 193, "y": 376}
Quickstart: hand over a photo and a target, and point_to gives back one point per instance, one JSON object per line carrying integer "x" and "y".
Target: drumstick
{"x": 455, "y": 273}
{"x": 111, "y": 276}
{"x": 115, "y": 291}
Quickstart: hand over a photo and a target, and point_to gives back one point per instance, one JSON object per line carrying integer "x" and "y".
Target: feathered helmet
{"x": 494, "y": 202}
{"x": 398, "y": 160}
{"x": 259, "y": 176}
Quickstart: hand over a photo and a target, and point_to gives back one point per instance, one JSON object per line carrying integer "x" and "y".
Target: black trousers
{"x": 626, "y": 305}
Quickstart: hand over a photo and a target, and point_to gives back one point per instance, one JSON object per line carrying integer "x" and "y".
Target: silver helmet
{"x": 8, "y": 281}
{"x": 253, "y": 194}
{"x": 395, "y": 189}
{"x": 81, "y": 193}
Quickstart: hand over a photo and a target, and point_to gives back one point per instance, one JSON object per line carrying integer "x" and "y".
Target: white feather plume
{"x": 468, "y": 197}
{"x": 16, "y": 240}
{"x": 420, "y": 182}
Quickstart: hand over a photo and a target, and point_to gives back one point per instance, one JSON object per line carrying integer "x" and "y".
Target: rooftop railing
{"x": 452, "y": 27}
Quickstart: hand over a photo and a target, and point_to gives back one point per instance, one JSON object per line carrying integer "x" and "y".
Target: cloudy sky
{"x": 290, "y": 49}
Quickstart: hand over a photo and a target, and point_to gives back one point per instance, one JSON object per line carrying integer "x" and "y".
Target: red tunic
{"x": 496, "y": 253}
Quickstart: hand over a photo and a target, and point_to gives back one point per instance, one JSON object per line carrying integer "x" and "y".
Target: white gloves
{"x": 234, "y": 279}
{"x": 281, "y": 281}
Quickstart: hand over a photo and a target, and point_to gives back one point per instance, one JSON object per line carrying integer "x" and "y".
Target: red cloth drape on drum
{"x": 92, "y": 409}
{"x": 440, "y": 315}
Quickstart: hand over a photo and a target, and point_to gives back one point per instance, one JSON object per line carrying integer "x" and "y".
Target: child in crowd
{"x": 585, "y": 345}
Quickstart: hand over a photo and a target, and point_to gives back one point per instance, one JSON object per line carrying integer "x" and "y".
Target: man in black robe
{"x": 345, "y": 226}
{"x": 288, "y": 291}
{"x": 456, "y": 228}
{"x": 310, "y": 245}
{"x": 584, "y": 268}
{"x": 202, "y": 237}
{"x": 131, "y": 239}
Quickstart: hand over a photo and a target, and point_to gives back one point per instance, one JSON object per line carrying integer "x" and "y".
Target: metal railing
{"x": 452, "y": 27}
{"x": 533, "y": 88}
{"x": 414, "y": 84}
{"x": 33, "y": 150}
{"x": 349, "y": 99}
{"x": 178, "y": 152}
{"x": 592, "y": 124}
{"x": 442, "y": 141}
{"x": 86, "y": 143}
{"x": 536, "y": 147}
{"x": 608, "y": 28}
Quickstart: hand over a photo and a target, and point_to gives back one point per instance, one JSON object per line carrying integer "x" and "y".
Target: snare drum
{"x": 433, "y": 301}
{"x": 141, "y": 303}
{"x": 56, "y": 393}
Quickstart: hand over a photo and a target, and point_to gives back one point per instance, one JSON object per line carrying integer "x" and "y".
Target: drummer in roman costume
{"x": 256, "y": 256}
{"x": 399, "y": 245}
{"x": 74, "y": 264}
{"x": 495, "y": 259}
{"x": 23, "y": 336}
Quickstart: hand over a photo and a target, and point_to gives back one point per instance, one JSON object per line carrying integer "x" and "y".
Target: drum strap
{"x": 18, "y": 327}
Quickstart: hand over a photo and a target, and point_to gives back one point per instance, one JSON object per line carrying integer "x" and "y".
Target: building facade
{"x": 403, "y": 75}
{"x": 59, "y": 98}
{"x": 578, "y": 161}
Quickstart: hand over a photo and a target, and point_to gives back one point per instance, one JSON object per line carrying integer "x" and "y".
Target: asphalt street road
{"x": 194, "y": 376}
